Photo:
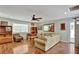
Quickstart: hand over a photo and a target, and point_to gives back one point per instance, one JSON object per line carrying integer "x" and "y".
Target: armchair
{"x": 17, "y": 37}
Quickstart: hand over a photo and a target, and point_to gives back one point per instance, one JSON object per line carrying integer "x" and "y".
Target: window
{"x": 20, "y": 28}
{"x": 46, "y": 28}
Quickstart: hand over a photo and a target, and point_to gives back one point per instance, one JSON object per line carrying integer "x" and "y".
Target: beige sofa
{"x": 46, "y": 40}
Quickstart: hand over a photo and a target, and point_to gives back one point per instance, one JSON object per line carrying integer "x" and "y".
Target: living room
{"x": 36, "y": 29}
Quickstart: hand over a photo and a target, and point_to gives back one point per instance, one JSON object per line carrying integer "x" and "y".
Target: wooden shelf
{"x": 2, "y": 33}
{"x": 34, "y": 31}
{"x": 5, "y": 34}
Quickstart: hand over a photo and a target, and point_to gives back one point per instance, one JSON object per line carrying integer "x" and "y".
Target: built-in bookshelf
{"x": 33, "y": 29}
{"x": 5, "y": 34}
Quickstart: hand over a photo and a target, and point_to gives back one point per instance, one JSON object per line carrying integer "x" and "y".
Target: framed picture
{"x": 8, "y": 29}
{"x": 48, "y": 27}
{"x": 52, "y": 27}
{"x": 62, "y": 26}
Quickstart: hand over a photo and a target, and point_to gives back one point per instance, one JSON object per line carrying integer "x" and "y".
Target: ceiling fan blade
{"x": 33, "y": 18}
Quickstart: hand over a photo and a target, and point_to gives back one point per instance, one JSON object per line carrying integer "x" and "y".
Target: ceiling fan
{"x": 75, "y": 17}
{"x": 37, "y": 19}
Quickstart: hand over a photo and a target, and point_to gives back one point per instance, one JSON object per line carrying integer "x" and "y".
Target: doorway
{"x": 72, "y": 37}
{"x": 72, "y": 32}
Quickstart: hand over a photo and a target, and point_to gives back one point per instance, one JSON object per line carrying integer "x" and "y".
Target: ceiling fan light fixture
{"x": 35, "y": 19}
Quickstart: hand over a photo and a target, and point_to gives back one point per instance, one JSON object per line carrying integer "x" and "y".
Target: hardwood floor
{"x": 8, "y": 47}
{"x": 60, "y": 48}
{"x": 77, "y": 50}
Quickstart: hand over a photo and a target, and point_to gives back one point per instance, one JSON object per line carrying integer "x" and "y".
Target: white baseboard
{"x": 68, "y": 42}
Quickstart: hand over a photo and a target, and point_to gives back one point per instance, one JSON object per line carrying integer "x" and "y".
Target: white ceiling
{"x": 25, "y": 12}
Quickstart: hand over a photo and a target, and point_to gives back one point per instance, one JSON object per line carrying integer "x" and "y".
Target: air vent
{"x": 74, "y": 8}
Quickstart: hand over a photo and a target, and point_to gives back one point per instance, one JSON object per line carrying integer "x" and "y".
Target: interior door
{"x": 77, "y": 33}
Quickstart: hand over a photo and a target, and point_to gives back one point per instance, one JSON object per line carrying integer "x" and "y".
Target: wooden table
{"x": 31, "y": 45}
{"x": 31, "y": 40}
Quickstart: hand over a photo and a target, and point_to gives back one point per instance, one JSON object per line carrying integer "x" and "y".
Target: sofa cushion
{"x": 42, "y": 37}
{"x": 39, "y": 41}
